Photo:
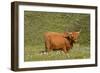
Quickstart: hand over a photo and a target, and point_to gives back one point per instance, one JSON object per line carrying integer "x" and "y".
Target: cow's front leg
{"x": 64, "y": 50}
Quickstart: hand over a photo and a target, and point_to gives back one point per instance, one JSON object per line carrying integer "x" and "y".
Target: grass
{"x": 77, "y": 52}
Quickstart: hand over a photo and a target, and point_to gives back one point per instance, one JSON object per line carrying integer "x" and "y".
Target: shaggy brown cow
{"x": 59, "y": 41}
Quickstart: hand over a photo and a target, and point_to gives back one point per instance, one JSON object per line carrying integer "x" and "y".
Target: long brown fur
{"x": 58, "y": 41}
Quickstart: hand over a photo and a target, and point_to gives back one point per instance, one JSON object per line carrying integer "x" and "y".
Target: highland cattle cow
{"x": 60, "y": 41}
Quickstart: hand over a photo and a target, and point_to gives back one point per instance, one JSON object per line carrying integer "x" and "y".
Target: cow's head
{"x": 74, "y": 36}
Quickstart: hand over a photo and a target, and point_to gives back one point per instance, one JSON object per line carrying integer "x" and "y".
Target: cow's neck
{"x": 70, "y": 41}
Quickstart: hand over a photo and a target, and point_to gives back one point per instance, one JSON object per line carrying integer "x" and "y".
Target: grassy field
{"x": 37, "y": 23}
{"x": 78, "y": 52}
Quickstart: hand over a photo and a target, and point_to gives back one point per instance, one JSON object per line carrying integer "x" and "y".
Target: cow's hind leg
{"x": 47, "y": 47}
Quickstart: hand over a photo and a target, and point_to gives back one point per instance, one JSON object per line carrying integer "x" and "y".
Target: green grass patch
{"x": 32, "y": 53}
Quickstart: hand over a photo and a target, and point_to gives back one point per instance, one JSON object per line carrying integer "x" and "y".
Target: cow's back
{"x": 55, "y": 34}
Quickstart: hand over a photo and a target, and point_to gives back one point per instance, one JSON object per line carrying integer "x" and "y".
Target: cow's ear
{"x": 66, "y": 34}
